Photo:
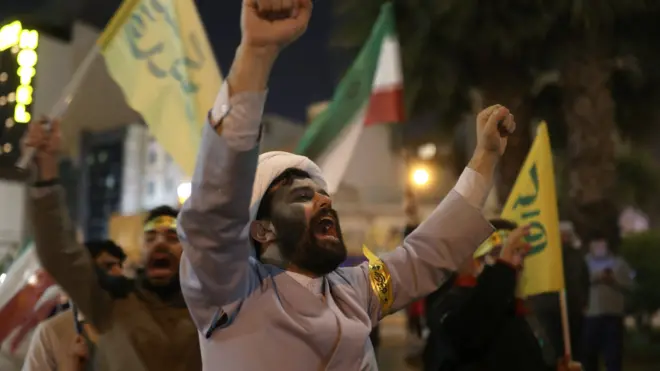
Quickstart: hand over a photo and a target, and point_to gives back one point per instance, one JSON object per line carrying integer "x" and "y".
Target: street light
{"x": 427, "y": 151}
{"x": 183, "y": 192}
{"x": 420, "y": 176}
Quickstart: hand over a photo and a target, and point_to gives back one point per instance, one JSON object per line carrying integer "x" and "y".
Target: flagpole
{"x": 565, "y": 325}
{"x": 62, "y": 105}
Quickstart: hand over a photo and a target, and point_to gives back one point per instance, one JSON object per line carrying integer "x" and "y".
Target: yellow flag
{"x": 533, "y": 201}
{"x": 158, "y": 53}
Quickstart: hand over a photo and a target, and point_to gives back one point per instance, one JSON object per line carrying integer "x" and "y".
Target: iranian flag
{"x": 371, "y": 93}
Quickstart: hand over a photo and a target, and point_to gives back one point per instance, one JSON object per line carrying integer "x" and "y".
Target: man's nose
{"x": 322, "y": 201}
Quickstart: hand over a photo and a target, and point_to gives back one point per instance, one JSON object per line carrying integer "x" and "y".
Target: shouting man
{"x": 262, "y": 243}
{"x": 142, "y": 324}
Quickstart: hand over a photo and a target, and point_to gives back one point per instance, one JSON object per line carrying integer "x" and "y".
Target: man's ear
{"x": 262, "y": 231}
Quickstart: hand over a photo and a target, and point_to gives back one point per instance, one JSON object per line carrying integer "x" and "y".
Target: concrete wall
{"x": 12, "y": 216}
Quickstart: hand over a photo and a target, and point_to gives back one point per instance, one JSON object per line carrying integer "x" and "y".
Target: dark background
{"x": 305, "y": 73}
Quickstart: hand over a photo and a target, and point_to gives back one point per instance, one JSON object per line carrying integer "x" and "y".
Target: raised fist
{"x": 274, "y": 23}
{"x": 494, "y": 124}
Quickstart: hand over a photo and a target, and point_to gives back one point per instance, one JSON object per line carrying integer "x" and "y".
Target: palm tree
{"x": 589, "y": 44}
{"x": 502, "y": 48}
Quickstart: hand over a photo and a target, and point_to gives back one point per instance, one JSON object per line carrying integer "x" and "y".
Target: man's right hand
{"x": 273, "y": 24}
{"x": 515, "y": 248}
{"x": 47, "y": 144}
{"x": 267, "y": 26}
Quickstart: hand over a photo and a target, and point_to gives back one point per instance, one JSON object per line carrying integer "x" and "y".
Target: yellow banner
{"x": 533, "y": 201}
{"x": 158, "y": 53}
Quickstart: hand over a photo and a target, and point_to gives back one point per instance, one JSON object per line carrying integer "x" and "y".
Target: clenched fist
{"x": 274, "y": 23}
{"x": 494, "y": 124}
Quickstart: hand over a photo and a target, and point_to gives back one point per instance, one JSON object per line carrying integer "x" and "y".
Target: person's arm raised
{"x": 450, "y": 235}
{"x": 215, "y": 268}
{"x": 59, "y": 252}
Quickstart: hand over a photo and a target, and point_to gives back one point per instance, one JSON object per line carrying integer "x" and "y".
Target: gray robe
{"x": 253, "y": 316}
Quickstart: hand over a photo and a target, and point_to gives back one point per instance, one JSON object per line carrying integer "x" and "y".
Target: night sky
{"x": 305, "y": 73}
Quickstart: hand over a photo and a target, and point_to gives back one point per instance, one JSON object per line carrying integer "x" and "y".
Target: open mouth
{"x": 161, "y": 265}
{"x": 326, "y": 228}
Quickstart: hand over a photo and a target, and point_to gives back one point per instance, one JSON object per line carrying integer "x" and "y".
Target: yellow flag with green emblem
{"x": 533, "y": 201}
{"x": 158, "y": 53}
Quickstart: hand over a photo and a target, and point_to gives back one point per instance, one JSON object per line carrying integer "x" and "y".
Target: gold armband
{"x": 381, "y": 281}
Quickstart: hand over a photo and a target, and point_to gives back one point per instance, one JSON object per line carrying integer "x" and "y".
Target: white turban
{"x": 273, "y": 164}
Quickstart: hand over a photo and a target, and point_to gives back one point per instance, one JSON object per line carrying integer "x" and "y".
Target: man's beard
{"x": 164, "y": 290}
{"x": 299, "y": 245}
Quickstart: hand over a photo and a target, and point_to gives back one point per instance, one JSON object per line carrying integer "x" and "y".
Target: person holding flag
{"x": 142, "y": 324}
{"x": 262, "y": 243}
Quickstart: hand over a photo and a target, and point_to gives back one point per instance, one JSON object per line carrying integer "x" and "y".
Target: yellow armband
{"x": 381, "y": 281}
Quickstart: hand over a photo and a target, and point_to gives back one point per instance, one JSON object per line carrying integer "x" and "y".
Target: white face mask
{"x": 598, "y": 248}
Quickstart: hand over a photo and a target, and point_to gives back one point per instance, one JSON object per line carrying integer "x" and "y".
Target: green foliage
{"x": 642, "y": 252}
{"x": 638, "y": 180}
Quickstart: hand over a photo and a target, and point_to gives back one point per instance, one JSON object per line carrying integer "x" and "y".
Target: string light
{"x": 24, "y": 43}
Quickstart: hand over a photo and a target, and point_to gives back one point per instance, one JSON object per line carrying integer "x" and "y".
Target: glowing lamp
{"x": 420, "y": 177}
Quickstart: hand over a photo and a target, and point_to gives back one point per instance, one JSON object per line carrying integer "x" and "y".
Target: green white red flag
{"x": 371, "y": 93}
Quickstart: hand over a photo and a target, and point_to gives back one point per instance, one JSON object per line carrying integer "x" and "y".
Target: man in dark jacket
{"x": 481, "y": 325}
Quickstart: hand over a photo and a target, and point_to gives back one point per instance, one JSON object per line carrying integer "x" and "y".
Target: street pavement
{"x": 394, "y": 347}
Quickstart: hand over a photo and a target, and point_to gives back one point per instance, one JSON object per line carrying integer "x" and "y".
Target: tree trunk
{"x": 589, "y": 112}
{"x": 515, "y": 98}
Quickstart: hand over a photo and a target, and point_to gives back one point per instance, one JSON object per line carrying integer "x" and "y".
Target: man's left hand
{"x": 494, "y": 124}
